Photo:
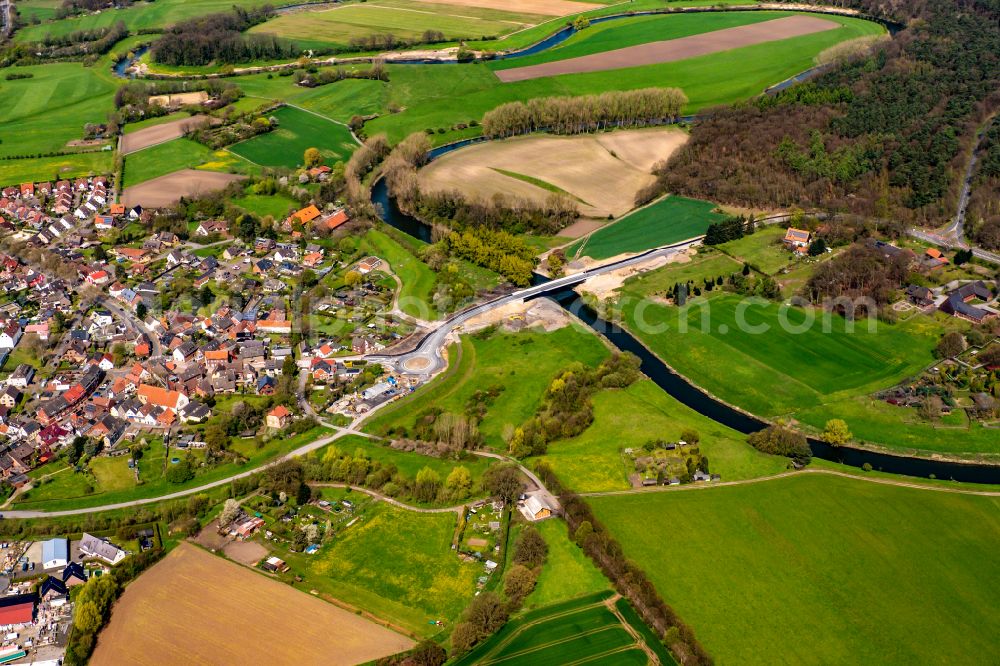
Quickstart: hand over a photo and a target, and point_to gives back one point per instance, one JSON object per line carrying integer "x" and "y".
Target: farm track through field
{"x": 783, "y": 475}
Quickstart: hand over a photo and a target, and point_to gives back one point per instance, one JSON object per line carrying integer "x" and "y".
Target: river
{"x": 692, "y": 396}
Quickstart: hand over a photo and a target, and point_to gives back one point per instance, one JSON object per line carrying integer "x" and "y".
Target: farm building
{"x": 536, "y": 508}
{"x": 959, "y": 302}
{"x": 55, "y": 553}
{"x": 92, "y": 546}
{"x": 17, "y": 610}
{"x": 275, "y": 565}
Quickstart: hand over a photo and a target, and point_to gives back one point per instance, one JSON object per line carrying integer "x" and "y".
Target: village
{"x": 115, "y": 338}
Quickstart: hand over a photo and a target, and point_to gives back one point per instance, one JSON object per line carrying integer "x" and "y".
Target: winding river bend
{"x": 690, "y": 395}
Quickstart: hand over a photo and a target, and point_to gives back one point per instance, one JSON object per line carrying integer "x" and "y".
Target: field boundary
{"x": 784, "y": 475}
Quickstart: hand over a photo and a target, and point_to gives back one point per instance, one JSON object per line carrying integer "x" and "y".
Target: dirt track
{"x": 151, "y": 136}
{"x": 197, "y": 608}
{"x": 674, "y": 49}
{"x": 167, "y": 190}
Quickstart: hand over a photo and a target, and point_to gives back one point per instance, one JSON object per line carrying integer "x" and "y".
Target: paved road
{"x": 301, "y": 451}
{"x": 949, "y": 244}
{"x": 956, "y": 230}
{"x": 430, "y": 347}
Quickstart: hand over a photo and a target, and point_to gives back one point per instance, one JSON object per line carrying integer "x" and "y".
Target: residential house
{"x": 102, "y": 549}
{"x": 959, "y": 302}
{"x": 797, "y": 239}
{"x": 278, "y": 417}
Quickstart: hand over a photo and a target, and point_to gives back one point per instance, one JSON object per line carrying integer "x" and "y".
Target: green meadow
{"x": 427, "y": 93}
{"x": 140, "y": 16}
{"x": 406, "y": 19}
{"x": 668, "y": 220}
{"x": 398, "y": 565}
{"x": 182, "y": 153}
{"x": 593, "y": 461}
{"x": 567, "y": 573}
{"x": 820, "y": 569}
{"x": 42, "y": 114}
{"x": 297, "y": 130}
{"x": 520, "y": 365}
{"x": 54, "y": 168}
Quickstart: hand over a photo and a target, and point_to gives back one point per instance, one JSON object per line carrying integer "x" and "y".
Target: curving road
{"x": 430, "y": 347}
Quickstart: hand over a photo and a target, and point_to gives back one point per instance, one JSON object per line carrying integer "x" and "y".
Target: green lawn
{"x": 403, "y": 18}
{"x": 277, "y": 206}
{"x": 817, "y": 569}
{"x": 669, "y": 220}
{"x": 568, "y": 573}
{"x": 593, "y": 462}
{"x": 398, "y": 565}
{"x": 523, "y": 364}
{"x": 763, "y": 250}
{"x": 297, "y": 130}
{"x": 182, "y": 153}
{"x": 427, "y": 94}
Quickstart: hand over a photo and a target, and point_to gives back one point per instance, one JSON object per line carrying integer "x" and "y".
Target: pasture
{"x": 425, "y": 93}
{"x": 820, "y": 569}
{"x": 204, "y": 598}
{"x": 139, "y": 16}
{"x": 44, "y": 113}
{"x": 587, "y": 629}
{"x": 772, "y": 359}
{"x": 593, "y": 461}
{"x": 54, "y": 168}
{"x": 297, "y": 130}
{"x": 405, "y": 19}
{"x": 652, "y": 53}
{"x": 763, "y": 250}
{"x": 581, "y": 167}
{"x": 665, "y": 221}
{"x": 517, "y": 366}
{"x": 567, "y": 574}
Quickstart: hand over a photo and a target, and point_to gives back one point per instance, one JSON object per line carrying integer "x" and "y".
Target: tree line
{"x": 566, "y": 409}
{"x": 587, "y": 113}
{"x": 881, "y": 134}
{"x": 628, "y": 579}
{"x": 219, "y": 38}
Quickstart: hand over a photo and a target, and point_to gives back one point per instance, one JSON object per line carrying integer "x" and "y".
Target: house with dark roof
{"x": 959, "y": 302}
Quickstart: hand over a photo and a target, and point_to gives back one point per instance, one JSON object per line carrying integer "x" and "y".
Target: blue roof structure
{"x": 55, "y": 549}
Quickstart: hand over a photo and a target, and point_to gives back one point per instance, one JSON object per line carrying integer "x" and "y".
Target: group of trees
{"x": 983, "y": 217}
{"x": 220, "y": 38}
{"x": 566, "y": 409}
{"x": 881, "y": 134}
{"x": 132, "y": 98}
{"x": 236, "y": 128}
{"x": 781, "y": 441}
{"x": 314, "y": 77}
{"x": 628, "y": 579}
{"x": 588, "y": 113}
{"x": 387, "y": 41}
{"x": 729, "y": 229}
{"x": 863, "y": 275}
{"x": 489, "y": 611}
{"x": 96, "y": 41}
{"x": 93, "y": 604}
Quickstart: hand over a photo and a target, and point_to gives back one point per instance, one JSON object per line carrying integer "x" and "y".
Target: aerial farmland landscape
{"x": 499, "y": 332}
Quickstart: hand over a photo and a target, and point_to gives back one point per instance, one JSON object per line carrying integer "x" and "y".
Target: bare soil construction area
{"x": 602, "y": 172}
{"x": 197, "y": 608}
{"x": 675, "y": 49}
{"x": 543, "y": 7}
{"x": 166, "y": 190}
{"x": 150, "y": 136}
